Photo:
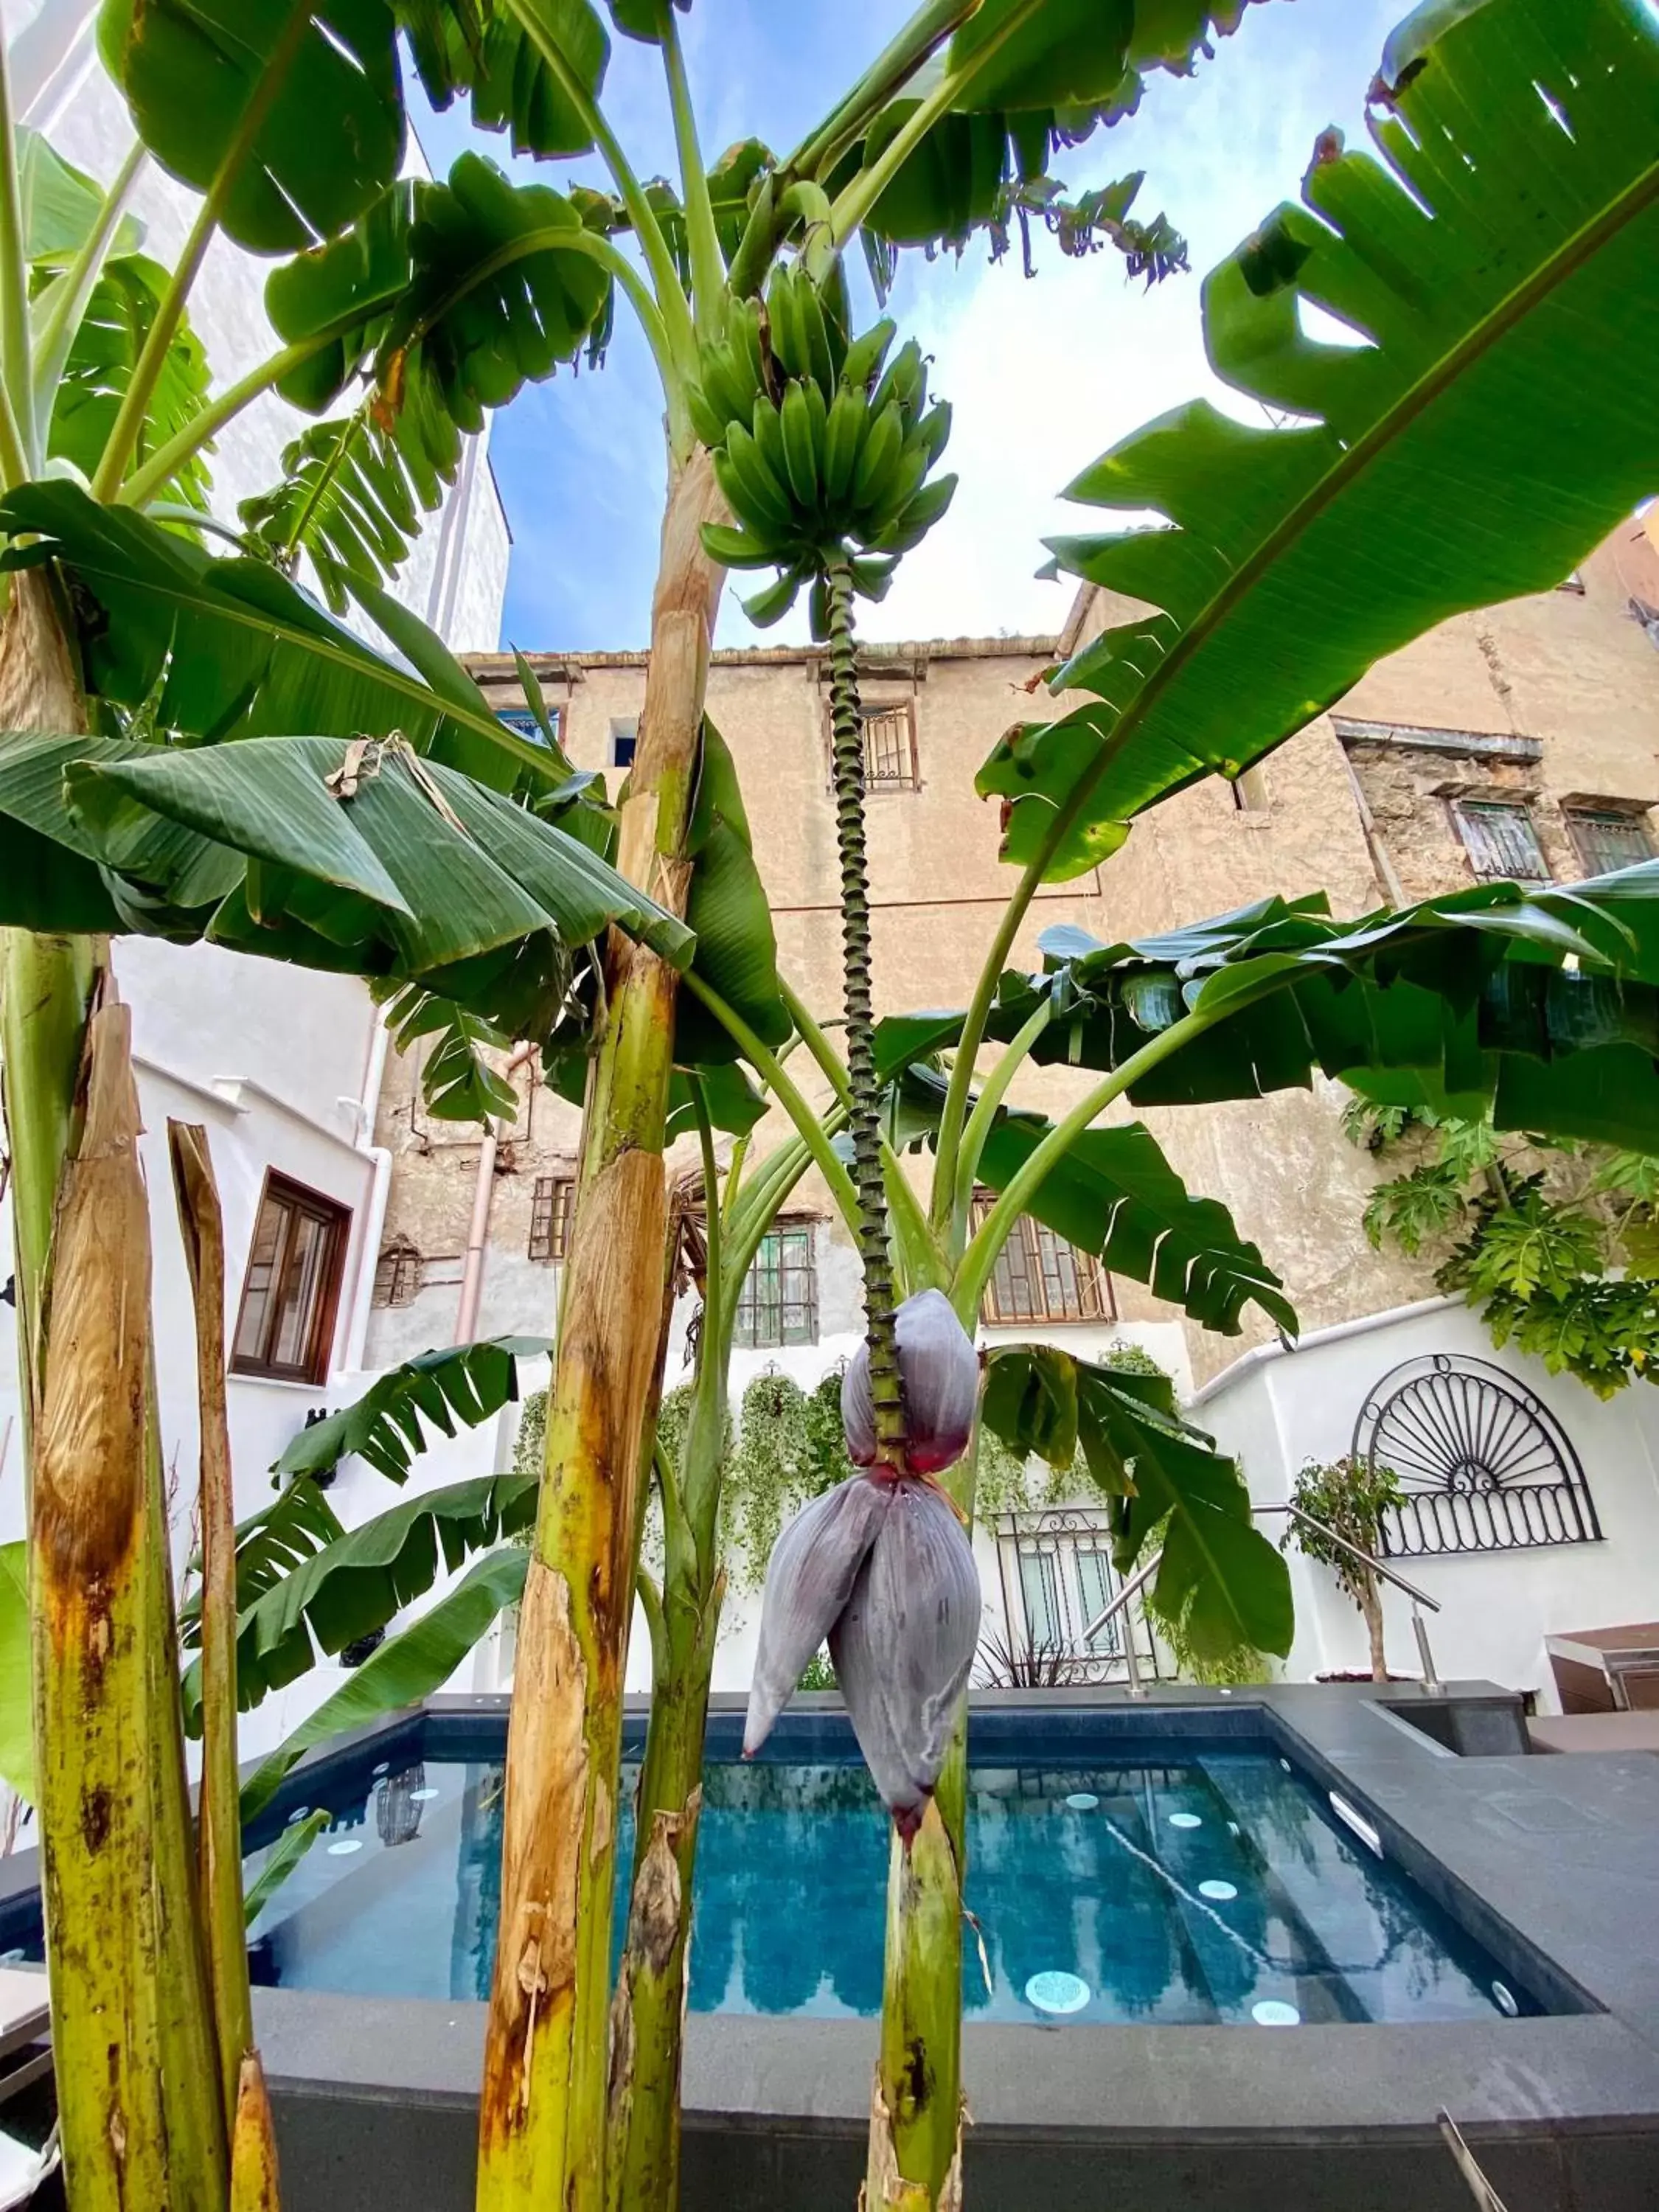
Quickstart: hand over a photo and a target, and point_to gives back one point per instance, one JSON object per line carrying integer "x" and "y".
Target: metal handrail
{"x": 1357, "y": 1552}
{"x": 1420, "y": 1598}
{"x": 1139, "y": 1581}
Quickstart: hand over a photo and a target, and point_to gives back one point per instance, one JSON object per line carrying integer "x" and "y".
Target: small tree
{"x": 1349, "y": 1499}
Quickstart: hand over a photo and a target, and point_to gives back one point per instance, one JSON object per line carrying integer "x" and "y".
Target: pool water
{"x": 1167, "y": 1884}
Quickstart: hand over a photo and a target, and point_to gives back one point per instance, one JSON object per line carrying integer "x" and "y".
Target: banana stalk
{"x": 253, "y": 2144}
{"x": 542, "y": 2120}
{"x": 219, "y": 1826}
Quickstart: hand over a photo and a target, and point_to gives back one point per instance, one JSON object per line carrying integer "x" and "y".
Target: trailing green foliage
{"x": 406, "y": 1667}
{"x": 458, "y": 1382}
{"x": 1558, "y": 1243}
{"x": 358, "y": 1584}
{"x": 1496, "y": 265}
{"x": 1220, "y": 1581}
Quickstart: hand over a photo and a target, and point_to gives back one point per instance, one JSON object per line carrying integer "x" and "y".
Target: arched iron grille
{"x": 1483, "y": 1464}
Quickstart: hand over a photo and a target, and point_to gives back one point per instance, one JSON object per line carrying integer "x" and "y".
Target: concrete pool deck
{"x": 1552, "y": 1864}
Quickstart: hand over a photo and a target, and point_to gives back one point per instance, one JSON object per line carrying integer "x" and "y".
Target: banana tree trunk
{"x": 914, "y": 2161}
{"x": 646, "y": 2028}
{"x": 541, "y": 2131}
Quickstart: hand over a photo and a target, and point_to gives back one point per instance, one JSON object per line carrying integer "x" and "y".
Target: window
{"x": 1249, "y": 790}
{"x": 1501, "y": 842}
{"x": 624, "y": 740}
{"x": 779, "y": 1302}
{"x": 292, "y": 1286}
{"x": 397, "y": 1274}
{"x": 889, "y": 748}
{"x": 551, "y": 1205}
{"x": 1606, "y": 838}
{"x": 1040, "y": 1277}
{"x": 523, "y": 723}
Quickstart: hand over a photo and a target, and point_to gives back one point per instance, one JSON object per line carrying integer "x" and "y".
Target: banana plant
{"x": 950, "y": 130}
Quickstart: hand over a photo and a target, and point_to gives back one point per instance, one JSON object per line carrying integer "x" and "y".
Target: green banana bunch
{"x": 822, "y": 447}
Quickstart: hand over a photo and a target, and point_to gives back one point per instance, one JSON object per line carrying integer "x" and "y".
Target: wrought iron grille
{"x": 1606, "y": 839}
{"x": 1040, "y": 1277}
{"x": 1501, "y": 842}
{"x": 890, "y": 746}
{"x": 552, "y": 1204}
{"x": 1482, "y": 1463}
{"x": 1057, "y": 1577}
{"x": 397, "y": 1274}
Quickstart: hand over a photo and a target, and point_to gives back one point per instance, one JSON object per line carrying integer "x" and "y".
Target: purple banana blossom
{"x": 881, "y": 1568}
{"x": 938, "y": 1374}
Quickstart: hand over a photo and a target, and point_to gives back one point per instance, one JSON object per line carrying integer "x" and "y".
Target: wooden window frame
{"x": 1094, "y": 1302}
{"x": 552, "y": 1210}
{"x": 397, "y": 1276}
{"x": 1582, "y": 816}
{"x": 744, "y": 1321}
{"x": 1469, "y": 804}
{"x": 335, "y": 1217}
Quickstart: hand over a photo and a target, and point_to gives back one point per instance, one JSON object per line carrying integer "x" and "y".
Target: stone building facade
{"x": 1520, "y": 740}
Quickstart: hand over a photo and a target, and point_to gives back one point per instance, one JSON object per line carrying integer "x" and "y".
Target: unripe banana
{"x": 871, "y": 576}
{"x": 735, "y": 548}
{"x": 765, "y": 498}
{"x": 772, "y": 604}
{"x": 814, "y": 331}
{"x": 882, "y": 450}
{"x": 818, "y": 611}
{"x": 918, "y": 518}
{"x": 865, "y": 356}
{"x": 798, "y": 450}
{"x": 788, "y": 333}
{"x": 817, "y": 411}
{"x": 904, "y": 381}
{"x": 768, "y": 432}
{"x": 848, "y": 420}
{"x": 745, "y": 339}
{"x": 897, "y": 494}
{"x": 722, "y": 384}
{"x": 706, "y": 418}
{"x": 933, "y": 430}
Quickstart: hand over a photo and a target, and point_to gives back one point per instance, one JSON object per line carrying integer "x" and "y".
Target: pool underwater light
{"x": 1271, "y": 2012}
{"x": 1083, "y": 1800}
{"x": 1057, "y": 1993}
{"x": 1218, "y": 1892}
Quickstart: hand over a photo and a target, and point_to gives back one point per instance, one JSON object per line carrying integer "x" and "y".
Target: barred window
{"x": 1501, "y": 842}
{"x": 778, "y": 1304}
{"x": 551, "y": 1205}
{"x": 1040, "y": 1277}
{"x": 889, "y": 747}
{"x": 1606, "y": 838}
{"x": 397, "y": 1274}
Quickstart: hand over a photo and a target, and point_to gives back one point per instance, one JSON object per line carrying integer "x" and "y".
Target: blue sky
{"x": 1044, "y": 374}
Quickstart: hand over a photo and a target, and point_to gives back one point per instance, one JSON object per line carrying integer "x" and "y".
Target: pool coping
{"x": 1548, "y": 1862}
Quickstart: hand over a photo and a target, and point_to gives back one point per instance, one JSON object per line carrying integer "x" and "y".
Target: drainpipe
{"x": 367, "y": 1105}
{"x": 467, "y": 1312}
{"x": 1387, "y": 882}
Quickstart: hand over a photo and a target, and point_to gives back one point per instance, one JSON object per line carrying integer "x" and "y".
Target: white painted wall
{"x": 281, "y": 1067}
{"x": 1275, "y": 1410}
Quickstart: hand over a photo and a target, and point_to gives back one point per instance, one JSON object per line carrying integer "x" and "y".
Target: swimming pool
{"x": 1163, "y": 1880}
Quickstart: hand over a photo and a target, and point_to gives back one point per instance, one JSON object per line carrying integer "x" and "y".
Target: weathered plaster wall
{"x": 1569, "y": 671}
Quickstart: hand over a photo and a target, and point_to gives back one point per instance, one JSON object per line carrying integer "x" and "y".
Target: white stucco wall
{"x": 1275, "y": 1410}
{"x": 280, "y": 1065}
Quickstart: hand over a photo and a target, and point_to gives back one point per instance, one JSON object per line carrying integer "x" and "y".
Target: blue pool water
{"x": 1154, "y": 1882}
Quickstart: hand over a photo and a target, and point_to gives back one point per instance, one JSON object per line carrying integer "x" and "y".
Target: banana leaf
{"x": 727, "y": 909}
{"x": 102, "y": 355}
{"x": 270, "y": 1544}
{"x": 1219, "y": 1578}
{"x": 458, "y": 1084}
{"x": 1496, "y": 260}
{"x": 285, "y": 1854}
{"x": 359, "y": 1583}
{"x": 460, "y": 1383}
{"x": 407, "y": 1667}
{"x": 295, "y": 126}
{"x": 484, "y": 52}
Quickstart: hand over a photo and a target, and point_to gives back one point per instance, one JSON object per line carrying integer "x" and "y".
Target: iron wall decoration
{"x": 1482, "y": 1463}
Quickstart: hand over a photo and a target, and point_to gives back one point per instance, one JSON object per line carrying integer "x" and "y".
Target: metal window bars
{"x": 1039, "y": 1277}
{"x": 778, "y": 1304}
{"x": 552, "y": 1204}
